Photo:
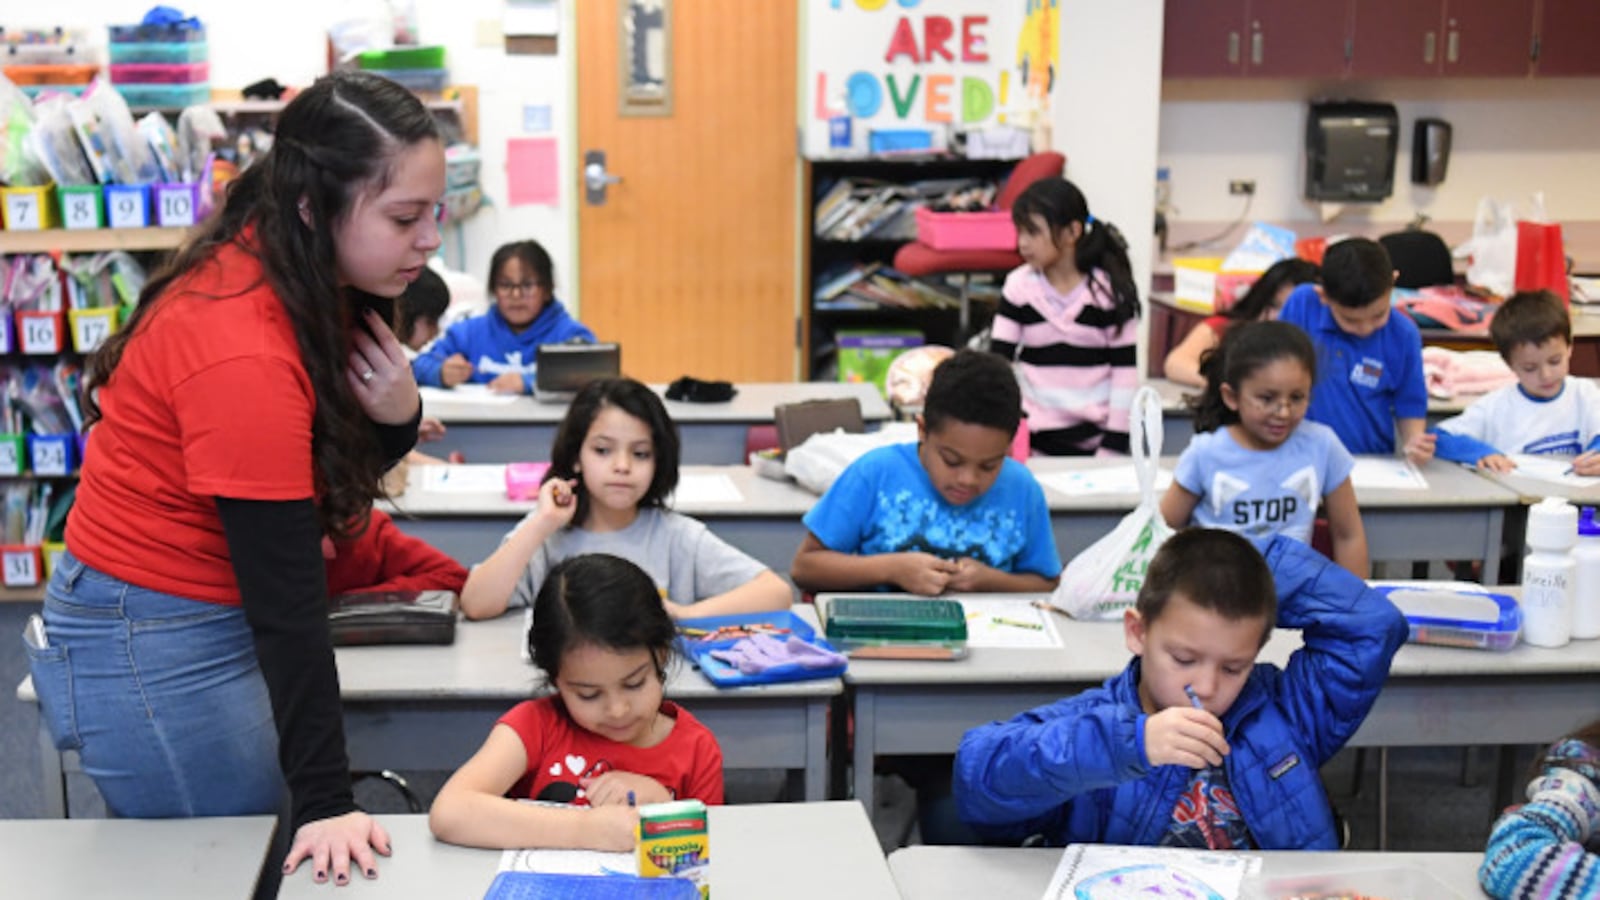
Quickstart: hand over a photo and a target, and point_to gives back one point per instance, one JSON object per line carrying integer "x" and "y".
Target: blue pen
{"x": 630, "y": 798}
{"x": 1194, "y": 699}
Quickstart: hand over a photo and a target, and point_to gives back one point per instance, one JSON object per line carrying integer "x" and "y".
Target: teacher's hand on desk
{"x": 333, "y": 843}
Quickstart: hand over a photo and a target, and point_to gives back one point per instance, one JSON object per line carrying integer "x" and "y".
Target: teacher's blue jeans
{"x": 161, "y": 696}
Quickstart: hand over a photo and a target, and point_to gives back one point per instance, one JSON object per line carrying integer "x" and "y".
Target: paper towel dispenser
{"x": 1350, "y": 151}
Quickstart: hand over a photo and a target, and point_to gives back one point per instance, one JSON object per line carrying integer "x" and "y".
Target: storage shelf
{"x": 33, "y": 594}
{"x": 90, "y": 240}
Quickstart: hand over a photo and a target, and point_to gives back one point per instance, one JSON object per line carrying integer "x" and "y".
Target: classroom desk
{"x": 956, "y": 873}
{"x": 770, "y": 851}
{"x": 1177, "y": 418}
{"x": 1459, "y": 516}
{"x": 764, "y": 523}
{"x": 133, "y": 859}
{"x": 1436, "y": 696}
{"x": 430, "y": 708}
{"x": 490, "y": 431}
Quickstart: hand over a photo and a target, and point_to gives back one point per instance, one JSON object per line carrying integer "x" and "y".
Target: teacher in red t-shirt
{"x": 1262, "y": 301}
{"x": 249, "y": 407}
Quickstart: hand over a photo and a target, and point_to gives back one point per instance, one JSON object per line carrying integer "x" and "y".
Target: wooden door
{"x": 1396, "y": 38}
{"x": 1203, "y": 38}
{"x": 691, "y": 262}
{"x": 1569, "y": 33}
{"x": 1295, "y": 39}
{"x": 1488, "y": 37}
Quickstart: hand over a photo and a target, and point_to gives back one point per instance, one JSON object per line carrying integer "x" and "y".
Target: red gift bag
{"x": 1541, "y": 259}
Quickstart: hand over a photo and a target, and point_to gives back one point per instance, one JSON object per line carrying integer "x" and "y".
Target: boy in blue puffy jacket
{"x": 1195, "y": 744}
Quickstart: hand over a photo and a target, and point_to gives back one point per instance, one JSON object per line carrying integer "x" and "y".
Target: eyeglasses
{"x": 1287, "y": 404}
{"x": 519, "y": 289}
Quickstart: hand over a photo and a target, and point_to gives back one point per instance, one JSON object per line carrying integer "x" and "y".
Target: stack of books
{"x": 873, "y": 285}
{"x": 853, "y": 210}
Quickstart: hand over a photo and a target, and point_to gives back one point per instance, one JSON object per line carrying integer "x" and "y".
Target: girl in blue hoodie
{"x": 501, "y": 347}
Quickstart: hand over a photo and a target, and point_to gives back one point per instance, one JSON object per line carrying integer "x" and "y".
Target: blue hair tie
{"x": 1088, "y": 220}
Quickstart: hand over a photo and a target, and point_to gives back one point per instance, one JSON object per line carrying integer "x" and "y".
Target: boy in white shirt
{"x": 1547, "y": 411}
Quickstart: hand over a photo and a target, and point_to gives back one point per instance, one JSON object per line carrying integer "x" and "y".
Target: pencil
{"x": 1047, "y": 606}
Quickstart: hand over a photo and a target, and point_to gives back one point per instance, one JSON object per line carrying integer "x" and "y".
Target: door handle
{"x": 595, "y": 177}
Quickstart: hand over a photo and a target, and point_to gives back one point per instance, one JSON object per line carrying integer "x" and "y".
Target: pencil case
{"x": 698, "y": 638}
{"x": 1455, "y": 613}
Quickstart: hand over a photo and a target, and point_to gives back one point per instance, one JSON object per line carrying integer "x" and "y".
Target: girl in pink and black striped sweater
{"x": 1069, "y": 322}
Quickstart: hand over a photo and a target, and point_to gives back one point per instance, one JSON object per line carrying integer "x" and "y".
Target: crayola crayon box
{"x": 674, "y": 842}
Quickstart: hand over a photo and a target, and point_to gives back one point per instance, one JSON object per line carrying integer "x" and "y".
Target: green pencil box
{"x": 864, "y": 622}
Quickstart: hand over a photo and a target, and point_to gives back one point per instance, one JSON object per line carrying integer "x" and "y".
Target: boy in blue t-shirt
{"x": 1369, "y": 363}
{"x": 950, "y": 513}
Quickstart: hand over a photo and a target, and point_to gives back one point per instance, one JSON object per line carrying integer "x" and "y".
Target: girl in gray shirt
{"x": 612, "y": 466}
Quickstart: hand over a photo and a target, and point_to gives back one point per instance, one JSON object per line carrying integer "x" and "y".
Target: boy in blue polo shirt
{"x": 1369, "y": 363}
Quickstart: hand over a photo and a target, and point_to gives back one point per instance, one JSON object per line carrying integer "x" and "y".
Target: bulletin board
{"x": 943, "y": 65}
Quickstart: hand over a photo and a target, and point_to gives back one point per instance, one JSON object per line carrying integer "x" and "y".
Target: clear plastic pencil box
{"x": 1455, "y": 613}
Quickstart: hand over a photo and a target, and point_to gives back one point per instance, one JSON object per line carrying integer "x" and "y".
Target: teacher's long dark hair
{"x": 336, "y": 139}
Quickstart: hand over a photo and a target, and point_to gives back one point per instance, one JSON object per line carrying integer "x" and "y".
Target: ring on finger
{"x": 367, "y": 375}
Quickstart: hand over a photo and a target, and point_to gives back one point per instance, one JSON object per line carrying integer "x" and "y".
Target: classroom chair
{"x": 1421, "y": 257}
{"x": 920, "y": 260}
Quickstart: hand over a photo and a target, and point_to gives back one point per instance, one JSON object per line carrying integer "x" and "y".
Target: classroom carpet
{"x": 1430, "y": 808}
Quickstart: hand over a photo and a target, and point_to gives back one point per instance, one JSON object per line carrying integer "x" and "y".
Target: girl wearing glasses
{"x": 1254, "y": 465}
{"x": 501, "y": 347}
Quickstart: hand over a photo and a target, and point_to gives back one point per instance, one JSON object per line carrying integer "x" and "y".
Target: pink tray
{"x": 966, "y": 230}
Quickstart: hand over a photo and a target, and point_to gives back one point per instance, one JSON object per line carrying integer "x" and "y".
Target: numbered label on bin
{"x": 40, "y": 334}
{"x": 175, "y": 204}
{"x": 23, "y": 211}
{"x": 49, "y": 456}
{"x": 10, "y": 456}
{"x": 82, "y": 210}
{"x": 128, "y": 208}
{"x": 90, "y": 328}
{"x": 21, "y": 567}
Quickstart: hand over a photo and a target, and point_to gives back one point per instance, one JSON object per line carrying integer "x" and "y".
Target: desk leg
{"x": 1491, "y": 549}
{"x": 817, "y": 750}
{"x": 1383, "y": 798}
{"x": 52, "y": 776}
{"x": 866, "y": 740}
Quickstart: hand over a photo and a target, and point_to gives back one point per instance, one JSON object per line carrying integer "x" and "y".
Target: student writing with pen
{"x": 1195, "y": 743}
{"x": 1546, "y": 412}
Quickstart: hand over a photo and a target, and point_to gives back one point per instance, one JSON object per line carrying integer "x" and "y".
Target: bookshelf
{"x": 842, "y": 244}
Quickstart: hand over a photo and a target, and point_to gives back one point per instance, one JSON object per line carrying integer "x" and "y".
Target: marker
{"x": 630, "y": 798}
{"x": 1031, "y": 626}
{"x": 1194, "y": 699}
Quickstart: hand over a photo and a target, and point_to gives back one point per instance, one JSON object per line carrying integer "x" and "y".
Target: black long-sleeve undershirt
{"x": 276, "y": 551}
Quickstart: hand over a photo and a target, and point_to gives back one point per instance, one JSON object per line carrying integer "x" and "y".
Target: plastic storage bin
{"x": 176, "y": 32}
{"x": 431, "y": 57}
{"x": 160, "y": 73}
{"x": 76, "y": 73}
{"x": 416, "y": 79}
{"x": 159, "y": 52}
{"x": 1455, "y": 613}
{"x": 29, "y": 208}
{"x": 991, "y": 230}
{"x": 165, "y": 96}
{"x": 47, "y": 54}
{"x": 1391, "y": 881}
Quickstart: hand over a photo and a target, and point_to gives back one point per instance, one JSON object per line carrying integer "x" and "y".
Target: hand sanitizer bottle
{"x": 1586, "y": 582}
{"x": 1548, "y": 573}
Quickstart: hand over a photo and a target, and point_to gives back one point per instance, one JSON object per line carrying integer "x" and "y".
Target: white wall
{"x": 286, "y": 40}
{"x": 1105, "y": 112}
{"x": 1511, "y": 138}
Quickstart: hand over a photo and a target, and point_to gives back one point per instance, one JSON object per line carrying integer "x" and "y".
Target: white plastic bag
{"x": 821, "y": 457}
{"x": 1104, "y": 579}
{"x": 1492, "y": 247}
